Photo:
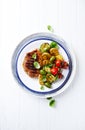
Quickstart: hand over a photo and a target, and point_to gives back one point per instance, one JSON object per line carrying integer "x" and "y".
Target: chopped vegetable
{"x": 64, "y": 65}
{"x": 54, "y": 70}
{"x": 52, "y": 103}
{"x": 58, "y": 63}
{"x": 45, "y": 62}
{"x": 42, "y": 72}
{"x": 47, "y": 84}
{"x": 47, "y": 68}
{"x": 49, "y": 27}
{"x": 42, "y": 87}
{"x": 60, "y": 75}
{"x": 52, "y": 58}
{"x": 54, "y": 45}
{"x": 44, "y": 78}
{"x": 44, "y": 47}
{"x": 50, "y": 78}
{"x": 34, "y": 56}
{"x": 36, "y": 65}
{"x": 54, "y": 51}
{"x": 56, "y": 77}
{"x": 50, "y": 65}
{"x": 46, "y": 56}
{"x": 59, "y": 57}
{"x": 40, "y": 80}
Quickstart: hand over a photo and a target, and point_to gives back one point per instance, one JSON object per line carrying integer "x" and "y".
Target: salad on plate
{"x": 46, "y": 64}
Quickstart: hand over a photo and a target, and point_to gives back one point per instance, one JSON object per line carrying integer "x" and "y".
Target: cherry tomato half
{"x": 54, "y": 70}
{"x": 65, "y": 65}
{"x": 60, "y": 75}
{"x": 58, "y": 63}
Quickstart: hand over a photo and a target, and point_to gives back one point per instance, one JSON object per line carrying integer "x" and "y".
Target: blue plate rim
{"x": 30, "y": 39}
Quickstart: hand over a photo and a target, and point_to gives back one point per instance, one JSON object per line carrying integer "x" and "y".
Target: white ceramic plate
{"x": 31, "y": 43}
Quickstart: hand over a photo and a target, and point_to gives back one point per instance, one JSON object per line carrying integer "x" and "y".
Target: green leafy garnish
{"x": 36, "y": 65}
{"x": 34, "y": 56}
{"x": 42, "y": 87}
{"x": 49, "y": 27}
{"x": 52, "y": 103}
{"x": 49, "y": 98}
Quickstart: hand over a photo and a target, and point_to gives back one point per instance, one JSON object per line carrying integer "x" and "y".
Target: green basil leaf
{"x": 48, "y": 98}
{"x": 49, "y": 27}
{"x": 52, "y": 103}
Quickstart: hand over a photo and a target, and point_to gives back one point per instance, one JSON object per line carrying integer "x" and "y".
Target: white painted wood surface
{"x": 18, "y": 109}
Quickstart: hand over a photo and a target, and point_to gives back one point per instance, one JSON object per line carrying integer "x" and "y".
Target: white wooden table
{"x": 18, "y": 109}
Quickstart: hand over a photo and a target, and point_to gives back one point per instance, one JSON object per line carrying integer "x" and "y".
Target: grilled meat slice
{"x": 28, "y": 63}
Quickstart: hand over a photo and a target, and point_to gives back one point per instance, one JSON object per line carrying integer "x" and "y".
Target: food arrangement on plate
{"x": 45, "y": 63}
